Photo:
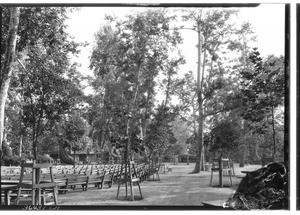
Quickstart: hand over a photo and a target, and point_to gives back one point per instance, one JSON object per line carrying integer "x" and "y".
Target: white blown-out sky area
{"x": 267, "y": 20}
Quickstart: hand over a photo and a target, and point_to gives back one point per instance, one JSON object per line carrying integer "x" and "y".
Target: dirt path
{"x": 176, "y": 188}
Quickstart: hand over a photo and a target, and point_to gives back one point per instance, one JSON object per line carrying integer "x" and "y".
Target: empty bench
{"x": 73, "y": 181}
{"x": 97, "y": 180}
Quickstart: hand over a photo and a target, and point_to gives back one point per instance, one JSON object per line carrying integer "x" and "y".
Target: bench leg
{"x": 131, "y": 190}
{"x": 43, "y": 197}
{"x": 55, "y": 195}
{"x": 211, "y": 177}
{"x": 33, "y": 197}
{"x": 118, "y": 189}
{"x": 38, "y": 197}
{"x": 18, "y": 196}
{"x": 140, "y": 189}
{"x": 7, "y": 197}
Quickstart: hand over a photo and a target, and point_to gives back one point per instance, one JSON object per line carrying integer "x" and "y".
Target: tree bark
{"x": 274, "y": 135}
{"x": 200, "y": 103}
{"x": 64, "y": 156}
{"x": 21, "y": 145}
{"x": 6, "y": 69}
{"x": 74, "y": 156}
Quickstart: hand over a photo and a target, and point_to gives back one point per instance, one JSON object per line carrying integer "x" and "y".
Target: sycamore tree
{"x": 9, "y": 45}
{"x": 215, "y": 80}
{"x": 127, "y": 57}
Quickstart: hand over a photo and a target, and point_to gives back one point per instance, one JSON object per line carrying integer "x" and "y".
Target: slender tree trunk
{"x": 168, "y": 89}
{"x": 274, "y": 134}
{"x": 33, "y": 140}
{"x": 6, "y": 69}
{"x": 200, "y": 103}
{"x": 202, "y": 160}
{"x": 130, "y": 112}
{"x": 74, "y": 156}
{"x": 21, "y": 145}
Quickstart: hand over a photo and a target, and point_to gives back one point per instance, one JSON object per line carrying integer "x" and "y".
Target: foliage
{"x": 160, "y": 134}
{"x": 44, "y": 84}
{"x": 214, "y": 88}
{"x": 224, "y": 137}
{"x": 192, "y": 144}
{"x": 262, "y": 93}
{"x": 7, "y": 65}
{"x": 173, "y": 151}
{"x": 127, "y": 57}
{"x": 73, "y": 133}
{"x": 12, "y": 160}
{"x": 262, "y": 87}
{"x": 132, "y": 59}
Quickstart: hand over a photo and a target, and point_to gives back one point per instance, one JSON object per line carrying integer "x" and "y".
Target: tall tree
{"x": 263, "y": 91}
{"x": 44, "y": 79}
{"x": 214, "y": 31}
{"x": 6, "y": 69}
{"x": 129, "y": 57}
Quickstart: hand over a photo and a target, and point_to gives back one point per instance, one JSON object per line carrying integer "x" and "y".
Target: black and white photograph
{"x": 145, "y": 106}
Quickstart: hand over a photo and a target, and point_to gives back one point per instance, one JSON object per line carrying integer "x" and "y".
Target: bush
{"x": 12, "y": 160}
{"x": 15, "y": 160}
{"x": 192, "y": 158}
{"x": 44, "y": 159}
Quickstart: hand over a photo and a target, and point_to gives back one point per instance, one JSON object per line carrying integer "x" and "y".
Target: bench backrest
{"x": 78, "y": 179}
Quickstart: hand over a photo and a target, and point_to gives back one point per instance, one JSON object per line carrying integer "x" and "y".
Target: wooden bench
{"x": 265, "y": 160}
{"x": 77, "y": 180}
{"x": 97, "y": 180}
{"x": 108, "y": 179}
{"x": 60, "y": 179}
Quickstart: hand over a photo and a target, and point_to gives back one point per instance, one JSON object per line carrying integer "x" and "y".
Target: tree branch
{"x": 220, "y": 111}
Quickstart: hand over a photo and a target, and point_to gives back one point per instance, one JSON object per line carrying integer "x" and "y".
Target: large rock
{"x": 265, "y": 188}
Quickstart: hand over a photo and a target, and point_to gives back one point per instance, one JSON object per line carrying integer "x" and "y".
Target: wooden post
{"x": 220, "y": 172}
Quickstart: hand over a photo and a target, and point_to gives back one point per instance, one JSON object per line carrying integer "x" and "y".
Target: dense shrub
{"x": 12, "y": 160}
{"x": 15, "y": 160}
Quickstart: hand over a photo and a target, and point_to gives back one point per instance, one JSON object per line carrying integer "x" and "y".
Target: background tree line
{"x": 233, "y": 106}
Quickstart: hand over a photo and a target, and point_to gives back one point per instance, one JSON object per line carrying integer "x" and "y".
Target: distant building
{"x": 80, "y": 157}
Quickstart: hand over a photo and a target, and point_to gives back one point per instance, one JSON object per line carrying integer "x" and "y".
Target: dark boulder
{"x": 265, "y": 188}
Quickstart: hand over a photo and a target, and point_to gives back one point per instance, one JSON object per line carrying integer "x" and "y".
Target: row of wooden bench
{"x": 59, "y": 169}
{"x": 68, "y": 182}
{"x": 99, "y": 178}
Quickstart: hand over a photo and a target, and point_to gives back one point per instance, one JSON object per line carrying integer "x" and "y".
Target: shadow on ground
{"x": 176, "y": 188}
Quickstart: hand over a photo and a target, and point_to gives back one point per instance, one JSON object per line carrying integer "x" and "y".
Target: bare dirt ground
{"x": 176, "y": 188}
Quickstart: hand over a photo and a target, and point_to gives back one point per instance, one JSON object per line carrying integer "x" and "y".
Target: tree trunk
{"x": 64, "y": 156}
{"x": 6, "y": 69}
{"x": 200, "y": 103}
{"x": 74, "y": 156}
{"x": 257, "y": 157}
{"x": 274, "y": 135}
{"x": 21, "y": 145}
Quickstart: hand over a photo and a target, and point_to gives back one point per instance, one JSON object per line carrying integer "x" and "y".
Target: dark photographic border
{"x": 287, "y": 97}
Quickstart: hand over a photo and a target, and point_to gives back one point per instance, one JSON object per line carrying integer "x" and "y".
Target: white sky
{"x": 267, "y": 21}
